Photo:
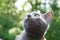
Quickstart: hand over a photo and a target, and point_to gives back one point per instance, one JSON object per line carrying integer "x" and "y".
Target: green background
{"x": 11, "y": 20}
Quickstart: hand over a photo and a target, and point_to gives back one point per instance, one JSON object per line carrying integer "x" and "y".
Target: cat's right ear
{"x": 48, "y": 16}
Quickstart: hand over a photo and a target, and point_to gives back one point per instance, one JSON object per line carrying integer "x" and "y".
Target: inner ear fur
{"x": 48, "y": 16}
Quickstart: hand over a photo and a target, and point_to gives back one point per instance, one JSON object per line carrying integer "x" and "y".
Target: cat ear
{"x": 48, "y": 16}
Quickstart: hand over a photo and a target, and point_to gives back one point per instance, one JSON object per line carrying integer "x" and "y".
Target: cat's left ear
{"x": 48, "y": 16}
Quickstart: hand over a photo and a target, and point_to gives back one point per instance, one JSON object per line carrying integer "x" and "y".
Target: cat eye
{"x": 36, "y": 15}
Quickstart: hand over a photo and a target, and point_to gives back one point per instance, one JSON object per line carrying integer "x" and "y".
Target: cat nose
{"x": 29, "y": 15}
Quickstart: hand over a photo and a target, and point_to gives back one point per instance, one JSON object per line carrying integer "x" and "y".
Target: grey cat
{"x": 35, "y": 26}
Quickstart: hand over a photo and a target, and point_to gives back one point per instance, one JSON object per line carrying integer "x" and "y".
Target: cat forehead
{"x": 32, "y": 13}
{"x": 36, "y": 12}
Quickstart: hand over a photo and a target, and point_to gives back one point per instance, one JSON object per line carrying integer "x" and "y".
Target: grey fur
{"x": 34, "y": 27}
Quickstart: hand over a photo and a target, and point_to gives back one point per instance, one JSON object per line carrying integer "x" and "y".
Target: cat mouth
{"x": 35, "y": 21}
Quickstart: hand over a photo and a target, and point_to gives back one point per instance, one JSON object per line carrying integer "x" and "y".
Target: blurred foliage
{"x": 8, "y": 19}
{"x": 11, "y": 19}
